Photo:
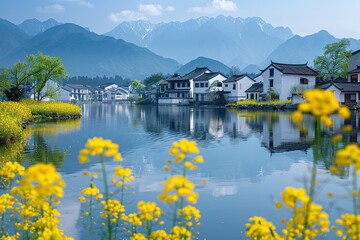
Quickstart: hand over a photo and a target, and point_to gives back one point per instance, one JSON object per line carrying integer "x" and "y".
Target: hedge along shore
{"x": 15, "y": 116}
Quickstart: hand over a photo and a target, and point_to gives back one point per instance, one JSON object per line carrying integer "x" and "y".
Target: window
{"x": 188, "y": 84}
{"x": 178, "y": 95}
{"x": 196, "y": 85}
{"x": 271, "y": 82}
{"x": 304, "y": 81}
{"x": 354, "y": 78}
{"x": 202, "y": 84}
{"x": 271, "y": 72}
{"x": 178, "y": 84}
{"x": 183, "y": 84}
{"x": 226, "y": 85}
{"x": 234, "y": 86}
{"x": 219, "y": 84}
{"x": 206, "y": 84}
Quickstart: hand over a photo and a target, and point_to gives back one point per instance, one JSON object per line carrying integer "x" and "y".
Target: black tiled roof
{"x": 256, "y": 87}
{"x": 342, "y": 86}
{"x": 235, "y": 78}
{"x": 298, "y": 69}
{"x": 206, "y": 76}
{"x": 194, "y": 74}
{"x": 76, "y": 86}
{"x": 357, "y": 51}
{"x": 356, "y": 70}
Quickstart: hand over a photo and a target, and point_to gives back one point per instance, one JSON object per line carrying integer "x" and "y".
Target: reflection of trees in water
{"x": 40, "y": 151}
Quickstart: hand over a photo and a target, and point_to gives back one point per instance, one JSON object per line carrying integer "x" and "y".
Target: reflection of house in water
{"x": 280, "y": 135}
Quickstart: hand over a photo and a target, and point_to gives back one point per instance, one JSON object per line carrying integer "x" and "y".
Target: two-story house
{"x": 181, "y": 88}
{"x": 74, "y": 92}
{"x": 235, "y": 87}
{"x": 285, "y": 79}
{"x": 205, "y": 84}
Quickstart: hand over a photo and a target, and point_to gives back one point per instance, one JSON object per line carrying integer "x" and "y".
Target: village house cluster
{"x": 279, "y": 80}
{"x": 82, "y": 93}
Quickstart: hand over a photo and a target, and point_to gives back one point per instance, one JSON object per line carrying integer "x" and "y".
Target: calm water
{"x": 249, "y": 158}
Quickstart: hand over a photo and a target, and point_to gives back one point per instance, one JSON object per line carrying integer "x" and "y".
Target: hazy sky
{"x": 340, "y": 17}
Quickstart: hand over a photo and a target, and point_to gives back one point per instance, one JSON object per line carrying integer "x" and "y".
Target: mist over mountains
{"x": 138, "y": 49}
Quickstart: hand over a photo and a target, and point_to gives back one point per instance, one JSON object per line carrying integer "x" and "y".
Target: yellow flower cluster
{"x": 159, "y": 235}
{"x": 46, "y": 227}
{"x": 11, "y": 169}
{"x": 112, "y": 209}
{"x": 180, "y": 150}
{"x": 292, "y": 196}
{"x": 42, "y": 182}
{"x": 92, "y": 190}
{"x": 99, "y": 146}
{"x": 261, "y": 229}
{"x": 17, "y": 111}
{"x": 190, "y": 213}
{"x": 178, "y": 232}
{"x": 132, "y": 218}
{"x": 138, "y": 236}
{"x": 124, "y": 174}
{"x": 350, "y": 155}
{"x": 177, "y": 187}
{"x": 6, "y": 202}
{"x": 13, "y": 237}
{"x": 351, "y": 226}
{"x": 305, "y": 213}
{"x": 149, "y": 211}
{"x": 321, "y": 104}
{"x": 52, "y": 109}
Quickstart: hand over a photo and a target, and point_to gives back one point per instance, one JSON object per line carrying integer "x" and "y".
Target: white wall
{"x": 241, "y": 86}
{"x": 63, "y": 95}
{"x": 289, "y": 81}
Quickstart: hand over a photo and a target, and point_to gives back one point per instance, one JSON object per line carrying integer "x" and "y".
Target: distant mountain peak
{"x": 34, "y": 26}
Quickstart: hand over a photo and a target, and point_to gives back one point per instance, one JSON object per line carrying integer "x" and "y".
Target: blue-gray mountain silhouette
{"x": 87, "y": 54}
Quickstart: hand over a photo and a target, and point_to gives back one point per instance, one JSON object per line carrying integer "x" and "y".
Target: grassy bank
{"x": 13, "y": 116}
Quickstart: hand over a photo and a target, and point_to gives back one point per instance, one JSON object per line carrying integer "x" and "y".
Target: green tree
{"x": 153, "y": 83}
{"x": 14, "y": 79}
{"x": 335, "y": 62}
{"x": 138, "y": 87}
{"x": 153, "y": 79}
{"x": 46, "y": 68}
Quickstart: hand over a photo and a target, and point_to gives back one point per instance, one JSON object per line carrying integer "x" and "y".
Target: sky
{"x": 341, "y": 18}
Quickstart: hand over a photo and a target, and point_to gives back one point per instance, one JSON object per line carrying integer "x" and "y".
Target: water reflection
{"x": 249, "y": 158}
{"x": 41, "y": 147}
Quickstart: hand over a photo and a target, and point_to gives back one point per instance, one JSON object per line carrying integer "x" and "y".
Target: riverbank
{"x": 15, "y": 116}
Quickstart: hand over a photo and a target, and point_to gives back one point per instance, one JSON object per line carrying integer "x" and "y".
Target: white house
{"x": 204, "y": 85}
{"x": 115, "y": 94}
{"x": 285, "y": 78}
{"x": 65, "y": 94}
{"x": 74, "y": 92}
{"x": 235, "y": 86}
{"x": 181, "y": 88}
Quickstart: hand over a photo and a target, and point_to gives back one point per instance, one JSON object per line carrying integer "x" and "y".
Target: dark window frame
{"x": 271, "y": 72}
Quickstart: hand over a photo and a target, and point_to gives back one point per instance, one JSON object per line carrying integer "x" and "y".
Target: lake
{"x": 249, "y": 158}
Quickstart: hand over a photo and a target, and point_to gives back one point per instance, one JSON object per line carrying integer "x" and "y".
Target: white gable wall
{"x": 289, "y": 81}
{"x": 240, "y": 87}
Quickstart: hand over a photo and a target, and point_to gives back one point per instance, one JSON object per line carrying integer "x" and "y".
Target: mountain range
{"x": 86, "y": 53}
{"x": 233, "y": 41}
{"x": 138, "y": 49}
